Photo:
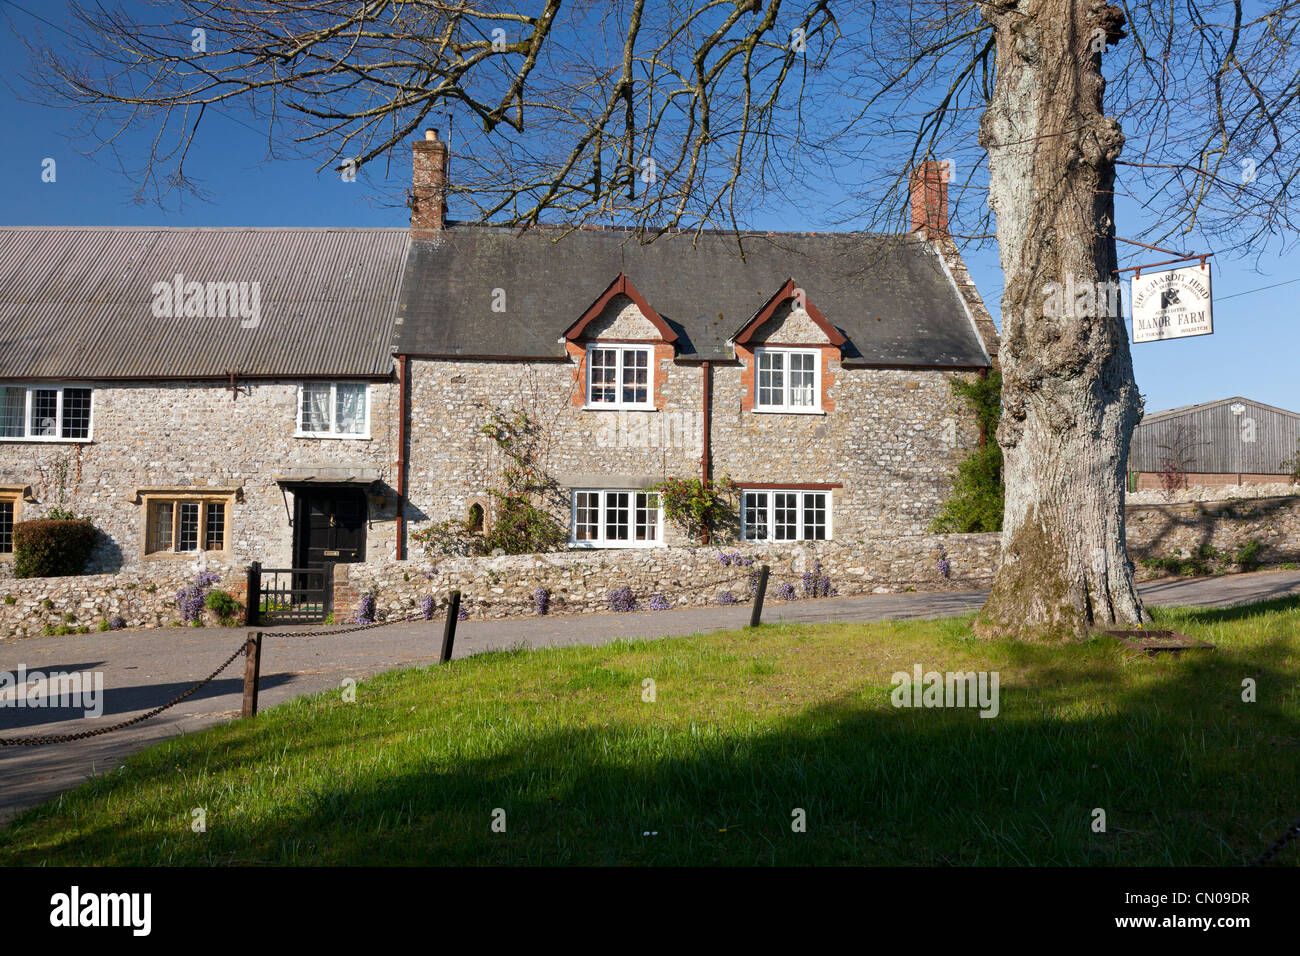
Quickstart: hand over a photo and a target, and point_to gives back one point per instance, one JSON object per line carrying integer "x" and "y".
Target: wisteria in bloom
{"x": 659, "y": 603}
{"x": 427, "y": 604}
{"x": 785, "y": 592}
{"x": 541, "y": 600}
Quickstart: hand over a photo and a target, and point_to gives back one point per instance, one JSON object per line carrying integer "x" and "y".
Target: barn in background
{"x": 1231, "y": 441}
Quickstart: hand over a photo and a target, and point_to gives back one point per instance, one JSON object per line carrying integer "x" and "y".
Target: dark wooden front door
{"x": 331, "y": 526}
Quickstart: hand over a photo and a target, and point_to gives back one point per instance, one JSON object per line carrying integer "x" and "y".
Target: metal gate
{"x": 289, "y": 595}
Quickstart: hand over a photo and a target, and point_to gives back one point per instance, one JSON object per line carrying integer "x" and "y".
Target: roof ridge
{"x": 596, "y": 227}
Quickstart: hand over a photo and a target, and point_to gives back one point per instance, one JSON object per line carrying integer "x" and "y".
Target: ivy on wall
{"x": 977, "y": 497}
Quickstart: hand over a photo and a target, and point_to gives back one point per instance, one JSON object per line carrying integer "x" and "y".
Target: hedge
{"x": 46, "y": 549}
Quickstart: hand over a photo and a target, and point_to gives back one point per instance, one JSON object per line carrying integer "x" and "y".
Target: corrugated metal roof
{"x": 889, "y": 294}
{"x": 1207, "y": 438}
{"x": 77, "y": 302}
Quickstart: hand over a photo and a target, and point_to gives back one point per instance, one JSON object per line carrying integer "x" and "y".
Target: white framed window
{"x": 787, "y": 380}
{"x": 785, "y": 515}
{"x": 333, "y": 410}
{"x": 45, "y": 412}
{"x": 620, "y": 376}
{"x": 186, "y": 525}
{"x": 8, "y": 518}
{"x": 616, "y": 518}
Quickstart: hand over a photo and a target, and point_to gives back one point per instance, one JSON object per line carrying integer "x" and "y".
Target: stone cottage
{"x": 219, "y": 394}
{"x": 812, "y": 370}
{"x": 304, "y": 397}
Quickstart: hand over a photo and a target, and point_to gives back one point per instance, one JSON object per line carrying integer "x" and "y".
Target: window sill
{"x": 182, "y": 555}
{"x": 785, "y": 541}
{"x": 33, "y": 439}
{"x": 325, "y": 436}
{"x": 619, "y": 408}
{"x": 787, "y": 411}
{"x": 616, "y": 545}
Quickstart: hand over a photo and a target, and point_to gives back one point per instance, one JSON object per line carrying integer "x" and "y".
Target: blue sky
{"x": 1251, "y": 352}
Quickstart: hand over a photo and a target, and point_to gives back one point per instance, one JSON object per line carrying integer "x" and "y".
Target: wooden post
{"x": 253, "y": 598}
{"x": 449, "y": 629}
{"x": 327, "y": 596}
{"x": 252, "y": 673}
{"x": 757, "y": 613}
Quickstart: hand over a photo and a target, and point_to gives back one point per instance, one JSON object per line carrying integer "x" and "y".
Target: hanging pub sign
{"x": 1172, "y": 305}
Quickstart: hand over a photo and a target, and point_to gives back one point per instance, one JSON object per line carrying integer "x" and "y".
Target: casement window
{"x": 616, "y": 519}
{"x": 787, "y": 380}
{"x": 620, "y": 376}
{"x": 186, "y": 525}
{"x": 334, "y": 410}
{"x": 44, "y": 413}
{"x": 778, "y": 515}
{"x": 8, "y": 517}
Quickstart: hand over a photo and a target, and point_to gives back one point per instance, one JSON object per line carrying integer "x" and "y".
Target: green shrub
{"x": 46, "y": 549}
{"x": 1247, "y": 556}
{"x": 978, "y": 495}
{"x": 104, "y": 626}
{"x": 224, "y": 604}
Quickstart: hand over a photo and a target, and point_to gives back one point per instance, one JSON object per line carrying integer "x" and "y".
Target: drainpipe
{"x": 706, "y": 461}
{"x": 403, "y": 402}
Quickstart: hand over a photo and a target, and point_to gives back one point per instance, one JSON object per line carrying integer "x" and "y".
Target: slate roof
{"x": 891, "y": 296}
{"x": 76, "y": 302}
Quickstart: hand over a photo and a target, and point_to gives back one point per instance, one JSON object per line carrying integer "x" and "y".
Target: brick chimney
{"x": 929, "y": 198}
{"x": 428, "y": 197}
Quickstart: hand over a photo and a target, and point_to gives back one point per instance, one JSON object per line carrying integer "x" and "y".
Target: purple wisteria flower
{"x": 785, "y": 592}
{"x": 541, "y": 600}
{"x": 726, "y": 597}
{"x": 659, "y": 603}
{"x": 427, "y": 605}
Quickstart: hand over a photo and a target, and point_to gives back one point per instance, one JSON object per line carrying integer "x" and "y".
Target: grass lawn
{"x": 747, "y": 726}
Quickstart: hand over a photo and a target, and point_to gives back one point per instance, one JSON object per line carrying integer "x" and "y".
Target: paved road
{"x": 144, "y": 668}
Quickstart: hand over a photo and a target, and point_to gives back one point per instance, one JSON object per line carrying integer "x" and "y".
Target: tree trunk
{"x": 1069, "y": 399}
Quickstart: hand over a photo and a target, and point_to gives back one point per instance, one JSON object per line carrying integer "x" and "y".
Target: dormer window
{"x": 788, "y": 380}
{"x": 619, "y": 376}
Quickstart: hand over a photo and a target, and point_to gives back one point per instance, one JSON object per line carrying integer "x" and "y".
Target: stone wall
{"x": 143, "y": 597}
{"x": 579, "y": 582}
{"x": 1159, "y": 531}
{"x": 890, "y": 440}
{"x": 196, "y": 437}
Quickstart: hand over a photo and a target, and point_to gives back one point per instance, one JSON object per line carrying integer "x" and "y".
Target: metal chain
{"x": 1279, "y": 844}
{"x": 67, "y": 738}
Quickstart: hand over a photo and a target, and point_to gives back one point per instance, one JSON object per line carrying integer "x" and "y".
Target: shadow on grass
{"x": 1185, "y": 771}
